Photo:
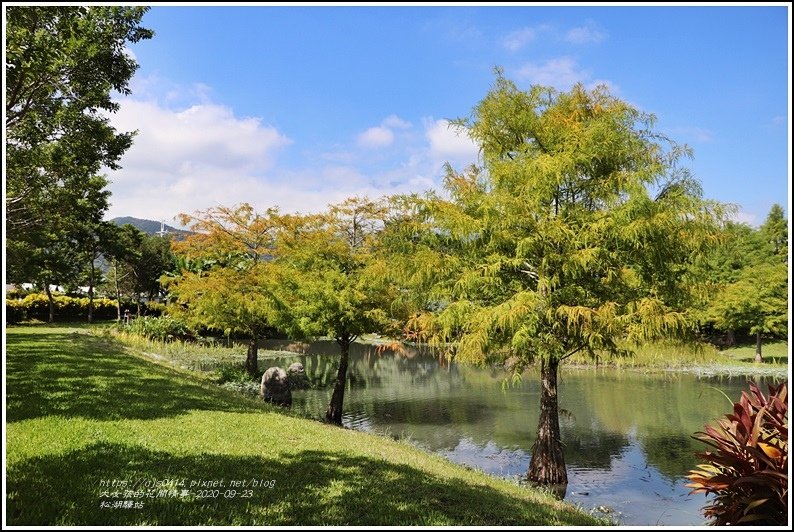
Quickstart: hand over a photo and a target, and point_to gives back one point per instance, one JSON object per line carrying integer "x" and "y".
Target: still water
{"x": 627, "y": 435}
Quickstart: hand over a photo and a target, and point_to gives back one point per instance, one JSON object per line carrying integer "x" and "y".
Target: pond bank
{"x": 83, "y": 413}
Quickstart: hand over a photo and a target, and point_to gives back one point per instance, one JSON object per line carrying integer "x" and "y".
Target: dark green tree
{"x": 754, "y": 298}
{"x": 94, "y": 241}
{"x": 123, "y": 254}
{"x": 63, "y": 64}
{"x": 774, "y": 231}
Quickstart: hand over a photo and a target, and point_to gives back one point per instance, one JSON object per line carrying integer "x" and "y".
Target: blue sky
{"x": 303, "y": 106}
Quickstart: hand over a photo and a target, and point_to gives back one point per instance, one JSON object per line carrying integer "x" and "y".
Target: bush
{"x": 36, "y": 306}
{"x": 235, "y": 373}
{"x": 154, "y": 308}
{"x": 748, "y": 472}
{"x": 163, "y": 328}
{"x": 15, "y": 311}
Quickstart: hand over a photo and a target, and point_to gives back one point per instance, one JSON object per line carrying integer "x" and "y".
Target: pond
{"x": 627, "y": 435}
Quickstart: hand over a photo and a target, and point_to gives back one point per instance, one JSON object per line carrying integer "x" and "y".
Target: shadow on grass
{"x": 311, "y": 488}
{"x": 77, "y": 375}
{"x": 767, "y": 359}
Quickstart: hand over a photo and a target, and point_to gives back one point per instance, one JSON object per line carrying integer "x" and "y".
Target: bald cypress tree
{"x": 573, "y": 235}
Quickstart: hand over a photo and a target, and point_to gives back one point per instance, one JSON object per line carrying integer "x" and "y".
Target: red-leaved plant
{"x": 748, "y": 471}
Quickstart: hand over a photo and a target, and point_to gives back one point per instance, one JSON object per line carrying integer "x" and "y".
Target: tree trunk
{"x": 118, "y": 294}
{"x": 334, "y": 413}
{"x": 50, "y": 301}
{"x": 91, "y": 294}
{"x": 251, "y": 361}
{"x": 547, "y": 466}
{"x": 758, "y": 358}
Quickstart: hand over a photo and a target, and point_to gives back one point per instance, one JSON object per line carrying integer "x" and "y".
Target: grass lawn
{"x": 700, "y": 357}
{"x": 772, "y": 352}
{"x": 90, "y": 423}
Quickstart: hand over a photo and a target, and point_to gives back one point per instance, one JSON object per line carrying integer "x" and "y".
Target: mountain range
{"x": 150, "y": 227}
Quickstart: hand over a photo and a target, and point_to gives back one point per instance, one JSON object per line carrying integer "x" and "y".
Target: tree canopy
{"x": 748, "y": 276}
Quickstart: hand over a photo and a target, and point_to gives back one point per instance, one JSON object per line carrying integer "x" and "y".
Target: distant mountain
{"x": 150, "y": 227}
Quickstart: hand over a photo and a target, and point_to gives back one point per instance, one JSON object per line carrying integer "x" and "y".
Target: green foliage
{"x": 748, "y": 472}
{"x": 62, "y": 64}
{"x": 575, "y": 235}
{"x": 222, "y": 282}
{"x": 35, "y": 306}
{"x": 138, "y": 261}
{"x": 234, "y": 373}
{"x": 774, "y": 231}
{"x": 331, "y": 273}
{"x": 748, "y": 279}
{"x": 163, "y": 328}
{"x": 155, "y": 308}
{"x": 757, "y": 302}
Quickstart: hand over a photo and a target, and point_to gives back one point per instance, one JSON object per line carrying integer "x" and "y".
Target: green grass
{"x": 83, "y": 411}
{"x": 697, "y": 357}
{"x": 190, "y": 355}
{"x": 773, "y": 352}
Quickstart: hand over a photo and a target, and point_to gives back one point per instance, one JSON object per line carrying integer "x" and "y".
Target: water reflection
{"x": 627, "y": 435}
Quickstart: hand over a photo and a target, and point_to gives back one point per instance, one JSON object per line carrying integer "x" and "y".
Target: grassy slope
{"x": 81, "y": 410}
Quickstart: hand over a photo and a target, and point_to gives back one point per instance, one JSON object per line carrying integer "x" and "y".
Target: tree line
{"x": 580, "y": 230}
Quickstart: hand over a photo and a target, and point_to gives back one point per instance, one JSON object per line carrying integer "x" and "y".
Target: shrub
{"x": 163, "y": 328}
{"x": 748, "y": 471}
{"x": 250, "y": 387}
{"x": 234, "y": 373}
{"x": 36, "y": 306}
{"x": 15, "y": 311}
{"x": 154, "y": 308}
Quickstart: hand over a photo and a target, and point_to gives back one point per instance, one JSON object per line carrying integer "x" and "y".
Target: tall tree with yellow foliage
{"x": 573, "y": 235}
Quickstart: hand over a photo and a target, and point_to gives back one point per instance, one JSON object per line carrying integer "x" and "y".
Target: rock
{"x": 275, "y": 387}
{"x": 296, "y": 377}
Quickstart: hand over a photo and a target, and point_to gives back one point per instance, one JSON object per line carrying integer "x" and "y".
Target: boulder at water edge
{"x": 297, "y": 377}
{"x": 275, "y": 387}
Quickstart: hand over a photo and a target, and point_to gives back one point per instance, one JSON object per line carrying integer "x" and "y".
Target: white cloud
{"x": 587, "y": 34}
{"x": 561, "y": 72}
{"x": 395, "y": 122}
{"x": 744, "y": 218}
{"x": 191, "y": 154}
{"x": 196, "y": 158}
{"x": 376, "y": 137}
{"x": 449, "y": 143}
{"x": 382, "y": 135}
{"x": 516, "y": 40}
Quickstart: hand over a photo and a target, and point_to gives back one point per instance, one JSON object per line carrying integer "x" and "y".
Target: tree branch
{"x": 572, "y": 352}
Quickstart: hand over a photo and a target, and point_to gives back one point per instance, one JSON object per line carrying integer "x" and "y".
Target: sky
{"x": 302, "y": 106}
